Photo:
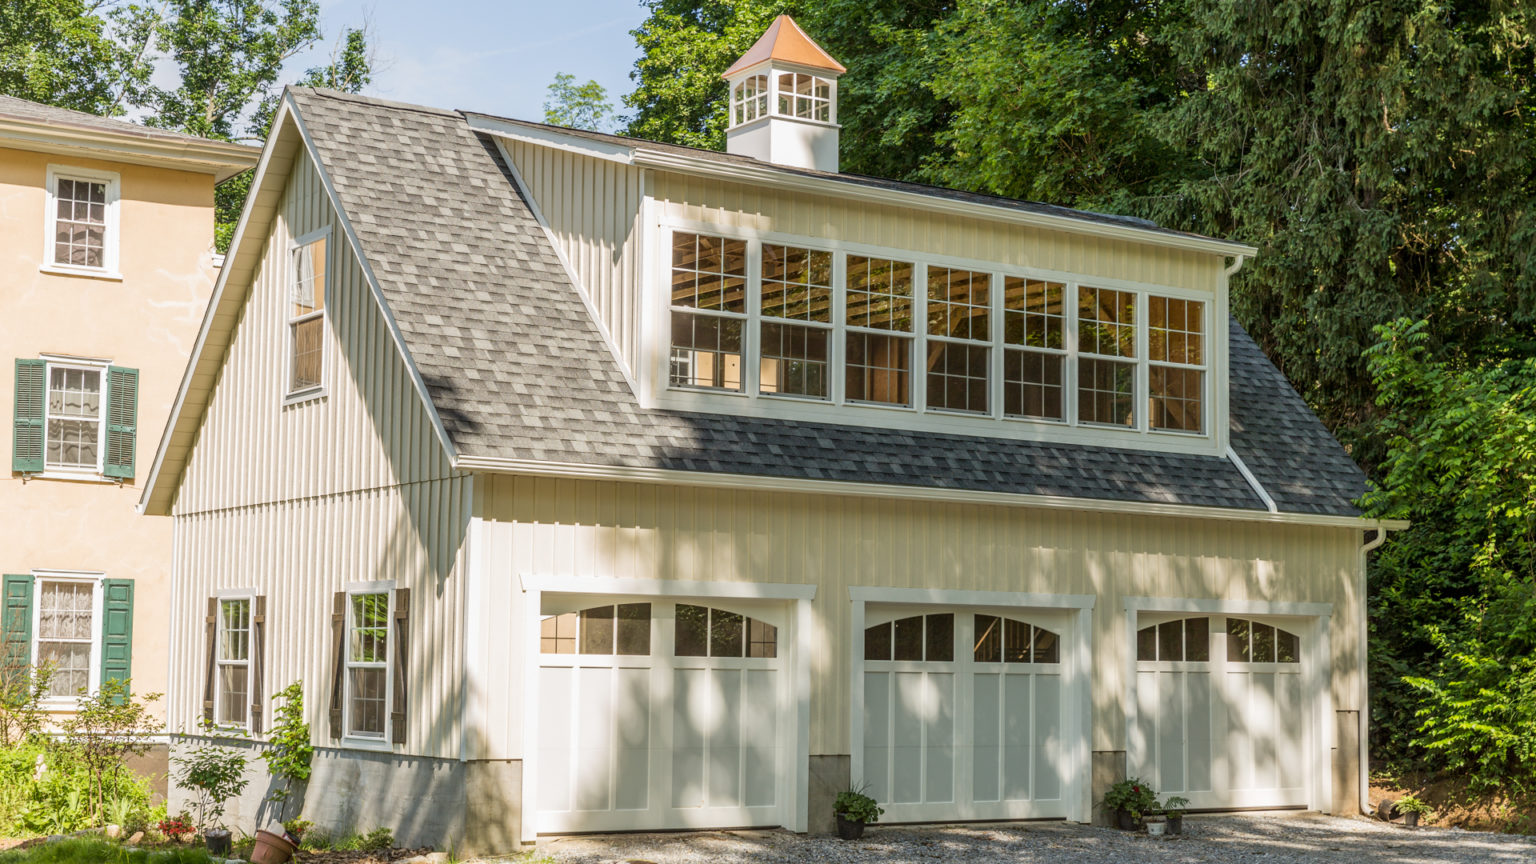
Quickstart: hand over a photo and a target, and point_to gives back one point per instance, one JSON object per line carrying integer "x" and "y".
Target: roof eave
{"x": 222, "y": 159}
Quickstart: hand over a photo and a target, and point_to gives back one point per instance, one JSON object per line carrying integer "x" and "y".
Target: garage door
{"x": 964, "y": 715}
{"x": 657, "y": 715}
{"x": 1221, "y": 717}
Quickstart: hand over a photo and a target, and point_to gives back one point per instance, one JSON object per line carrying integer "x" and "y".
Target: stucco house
{"x": 595, "y": 484}
{"x": 106, "y": 264}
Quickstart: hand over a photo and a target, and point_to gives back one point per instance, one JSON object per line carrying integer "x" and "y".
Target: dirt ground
{"x": 1455, "y": 807}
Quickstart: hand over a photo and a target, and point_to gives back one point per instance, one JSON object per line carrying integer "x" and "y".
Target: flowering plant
{"x": 1135, "y": 796}
{"x": 174, "y": 829}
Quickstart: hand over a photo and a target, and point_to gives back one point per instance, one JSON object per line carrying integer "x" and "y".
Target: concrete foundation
{"x": 1346, "y": 763}
{"x": 1108, "y": 769}
{"x": 829, "y": 775}
{"x": 155, "y": 766}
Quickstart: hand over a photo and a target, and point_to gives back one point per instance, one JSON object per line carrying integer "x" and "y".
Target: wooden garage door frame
{"x": 798, "y": 595}
{"x": 1076, "y": 676}
{"x": 1316, "y": 673}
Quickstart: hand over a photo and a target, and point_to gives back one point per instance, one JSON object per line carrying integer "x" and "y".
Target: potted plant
{"x": 274, "y": 848}
{"x": 1412, "y": 808}
{"x": 854, "y": 810}
{"x": 1128, "y": 801}
{"x": 1174, "y": 809}
{"x": 1157, "y": 824}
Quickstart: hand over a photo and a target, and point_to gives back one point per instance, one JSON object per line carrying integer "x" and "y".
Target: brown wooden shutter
{"x": 258, "y": 660}
{"x": 338, "y": 660}
{"x": 210, "y": 670}
{"x": 402, "y": 662}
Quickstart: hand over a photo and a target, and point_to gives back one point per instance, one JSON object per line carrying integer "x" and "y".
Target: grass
{"x": 93, "y": 851}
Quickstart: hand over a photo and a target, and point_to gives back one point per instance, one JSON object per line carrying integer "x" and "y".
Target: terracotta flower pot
{"x": 271, "y": 849}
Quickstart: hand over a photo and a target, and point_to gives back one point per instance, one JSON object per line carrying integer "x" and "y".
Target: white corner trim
{"x": 552, "y": 583}
{"x": 1253, "y": 482}
{"x": 1225, "y": 606}
{"x": 570, "y": 270}
{"x": 949, "y": 597}
{"x": 373, "y": 280}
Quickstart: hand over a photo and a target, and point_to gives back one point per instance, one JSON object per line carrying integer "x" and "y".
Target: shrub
{"x": 46, "y": 788}
{"x": 377, "y": 840}
{"x": 855, "y": 806}
{"x": 175, "y": 828}
{"x": 107, "y": 727}
{"x": 22, "y": 689}
{"x": 214, "y": 774}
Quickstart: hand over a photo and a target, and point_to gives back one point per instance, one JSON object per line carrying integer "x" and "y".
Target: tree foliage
{"x": 78, "y": 54}
{"x": 579, "y": 106}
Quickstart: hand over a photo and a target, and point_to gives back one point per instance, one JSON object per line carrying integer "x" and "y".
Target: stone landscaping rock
{"x": 136, "y": 839}
{"x": 113, "y": 832}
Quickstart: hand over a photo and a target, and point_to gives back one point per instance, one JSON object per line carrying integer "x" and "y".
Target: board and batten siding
{"x": 299, "y": 501}
{"x": 582, "y": 528}
{"x": 593, "y": 207}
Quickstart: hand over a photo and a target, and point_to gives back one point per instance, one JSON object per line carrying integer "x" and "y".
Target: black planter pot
{"x": 1176, "y": 824}
{"x": 849, "y": 830}
{"x": 1411, "y": 820}
{"x": 1126, "y": 821}
{"x": 217, "y": 841}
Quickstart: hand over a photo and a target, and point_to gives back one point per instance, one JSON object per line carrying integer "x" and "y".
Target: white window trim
{"x": 1310, "y": 621}
{"x": 92, "y": 578}
{"x": 995, "y": 424}
{"x": 290, "y": 275}
{"x": 61, "y": 472}
{"x": 348, "y": 738}
{"x": 249, "y": 596}
{"x": 109, "y": 258}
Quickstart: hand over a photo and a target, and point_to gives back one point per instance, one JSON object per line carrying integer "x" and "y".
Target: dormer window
{"x": 749, "y": 100}
{"x": 806, "y": 96}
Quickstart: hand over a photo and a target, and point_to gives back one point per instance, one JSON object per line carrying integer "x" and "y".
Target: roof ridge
{"x": 358, "y": 98}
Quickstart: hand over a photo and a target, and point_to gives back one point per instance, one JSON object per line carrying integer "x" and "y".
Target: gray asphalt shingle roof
{"x": 517, "y": 368}
{"x": 22, "y": 109}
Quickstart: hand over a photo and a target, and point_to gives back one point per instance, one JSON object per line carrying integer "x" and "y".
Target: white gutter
{"x": 674, "y": 477}
{"x": 220, "y": 158}
{"x": 1365, "y": 681}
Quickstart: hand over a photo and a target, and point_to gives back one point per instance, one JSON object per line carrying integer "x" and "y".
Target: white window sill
{"x": 304, "y": 396}
{"x": 87, "y": 272}
{"x": 379, "y": 745}
{"x": 80, "y": 477}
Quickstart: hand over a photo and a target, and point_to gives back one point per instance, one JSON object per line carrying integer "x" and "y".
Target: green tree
{"x": 579, "y": 106}
{"x": 79, "y": 54}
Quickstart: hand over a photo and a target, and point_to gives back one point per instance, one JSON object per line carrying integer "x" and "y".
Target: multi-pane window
{"x": 1176, "y": 368}
{"x": 1255, "y": 642}
{"x": 749, "y": 99}
{"x": 1106, "y": 365}
{"x": 74, "y": 418}
{"x": 959, "y": 339}
{"x": 805, "y": 96}
{"x": 928, "y": 638}
{"x": 704, "y": 632}
{"x": 234, "y": 662}
{"x": 879, "y": 319}
{"x": 1183, "y": 640}
{"x": 80, "y": 233}
{"x": 797, "y": 322}
{"x": 1034, "y": 348}
{"x": 1004, "y": 640}
{"x": 66, "y": 630}
{"x": 306, "y": 317}
{"x": 368, "y": 664}
{"x": 623, "y": 629}
{"x": 709, "y": 306}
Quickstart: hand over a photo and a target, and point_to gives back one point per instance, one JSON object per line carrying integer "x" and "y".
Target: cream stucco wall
{"x": 148, "y": 320}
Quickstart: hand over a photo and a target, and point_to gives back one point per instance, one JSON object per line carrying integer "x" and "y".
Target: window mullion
{"x": 751, "y": 341}
{"x": 995, "y": 354}
{"x": 1142, "y": 406}
{"x": 919, "y": 383}
{"x": 1069, "y": 372}
{"x": 839, "y": 335}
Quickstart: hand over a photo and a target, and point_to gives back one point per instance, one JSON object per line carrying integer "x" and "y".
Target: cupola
{"x": 784, "y": 100}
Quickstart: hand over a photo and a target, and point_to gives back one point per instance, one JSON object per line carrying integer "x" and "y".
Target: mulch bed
{"x": 337, "y": 857}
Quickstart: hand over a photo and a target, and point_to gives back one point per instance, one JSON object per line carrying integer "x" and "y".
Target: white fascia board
{"x": 609, "y": 585}
{"x": 770, "y": 176}
{"x": 210, "y": 312}
{"x": 672, "y": 477}
{"x": 219, "y": 158}
{"x": 373, "y": 281}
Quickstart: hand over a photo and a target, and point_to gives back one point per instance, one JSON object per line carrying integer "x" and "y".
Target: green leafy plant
{"x": 108, "y": 726}
{"x": 297, "y": 828}
{"x": 289, "y": 753}
{"x": 214, "y": 774}
{"x": 1135, "y": 796}
{"x": 1411, "y": 804}
{"x": 22, "y": 690}
{"x": 855, "y": 806}
{"x": 1174, "y": 806}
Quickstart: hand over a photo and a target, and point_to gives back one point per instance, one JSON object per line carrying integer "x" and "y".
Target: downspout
{"x": 1236, "y": 265}
{"x": 1365, "y": 681}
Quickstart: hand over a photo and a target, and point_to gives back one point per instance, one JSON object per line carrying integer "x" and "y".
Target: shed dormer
{"x": 784, "y": 100}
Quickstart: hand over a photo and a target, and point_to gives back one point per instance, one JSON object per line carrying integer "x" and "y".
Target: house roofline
{"x": 758, "y": 483}
{"x": 761, "y": 175}
{"x": 222, "y": 159}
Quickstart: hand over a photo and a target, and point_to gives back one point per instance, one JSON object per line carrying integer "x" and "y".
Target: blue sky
{"x": 483, "y": 55}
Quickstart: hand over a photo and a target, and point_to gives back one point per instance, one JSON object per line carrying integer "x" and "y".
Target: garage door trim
{"x": 1075, "y": 677}
{"x": 799, "y": 614}
{"x": 1315, "y": 672}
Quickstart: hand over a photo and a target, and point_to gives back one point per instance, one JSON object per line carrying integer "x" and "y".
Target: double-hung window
{"x": 1106, "y": 365}
{"x": 879, "y": 341}
{"x": 367, "y": 678}
{"x": 82, "y": 220}
{"x": 709, "y": 311}
{"x": 66, "y": 640}
{"x": 306, "y": 317}
{"x": 1034, "y": 349}
{"x": 74, "y": 418}
{"x": 796, "y": 322}
{"x": 234, "y": 663}
{"x": 1176, "y": 369}
{"x": 959, "y": 340}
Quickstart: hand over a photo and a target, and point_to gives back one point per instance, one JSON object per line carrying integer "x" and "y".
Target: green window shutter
{"x": 16, "y": 623}
{"x": 117, "y": 630}
{"x": 31, "y": 390}
{"x": 122, "y": 421}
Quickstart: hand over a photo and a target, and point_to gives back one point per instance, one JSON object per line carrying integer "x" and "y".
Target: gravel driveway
{"x": 1270, "y": 839}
